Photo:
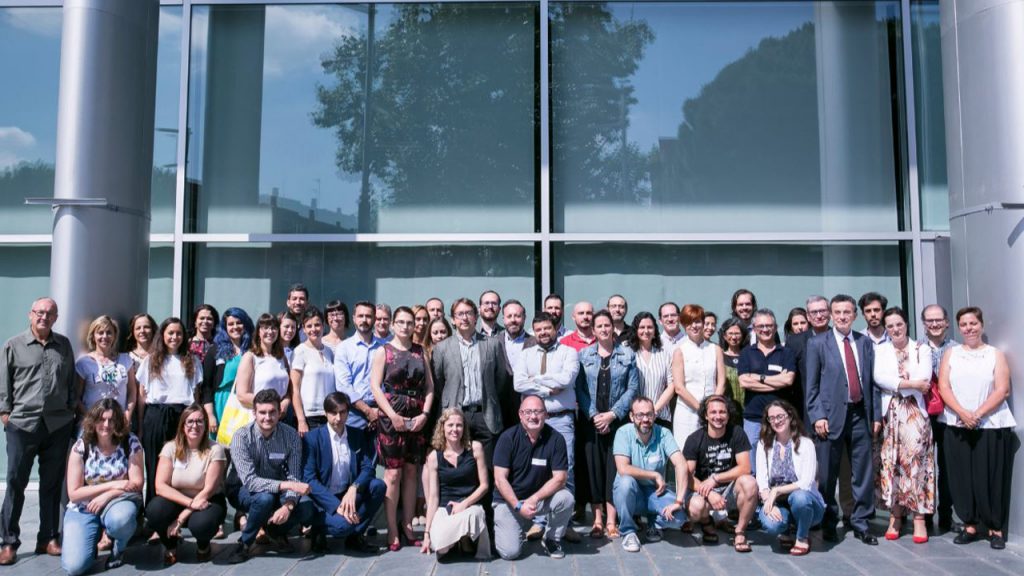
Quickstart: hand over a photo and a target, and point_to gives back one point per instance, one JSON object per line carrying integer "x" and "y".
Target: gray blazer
{"x": 446, "y": 363}
{"x": 827, "y": 387}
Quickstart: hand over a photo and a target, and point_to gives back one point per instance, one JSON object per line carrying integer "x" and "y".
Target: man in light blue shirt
{"x": 641, "y": 454}
{"x": 352, "y": 362}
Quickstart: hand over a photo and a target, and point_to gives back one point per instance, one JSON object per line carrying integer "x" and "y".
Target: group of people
{"x": 490, "y": 435}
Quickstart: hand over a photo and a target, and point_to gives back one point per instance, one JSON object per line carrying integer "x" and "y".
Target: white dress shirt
{"x": 557, "y": 384}
{"x": 342, "y": 459}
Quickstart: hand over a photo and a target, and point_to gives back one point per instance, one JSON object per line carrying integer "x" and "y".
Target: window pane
{"x": 29, "y": 61}
{"x": 256, "y": 277}
{"x": 734, "y": 115}
{"x": 929, "y": 110}
{"x": 161, "y": 280}
{"x": 782, "y": 276}
{"x": 278, "y": 118}
{"x": 165, "y": 142}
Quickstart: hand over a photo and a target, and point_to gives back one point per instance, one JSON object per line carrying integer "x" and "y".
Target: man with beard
{"x": 618, "y": 307}
{"x": 490, "y": 303}
{"x": 583, "y": 336}
{"x": 872, "y": 305}
{"x": 352, "y": 362}
{"x": 515, "y": 338}
{"x": 554, "y": 305}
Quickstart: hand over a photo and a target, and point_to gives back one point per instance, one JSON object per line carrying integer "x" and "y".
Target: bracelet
{"x": 519, "y": 505}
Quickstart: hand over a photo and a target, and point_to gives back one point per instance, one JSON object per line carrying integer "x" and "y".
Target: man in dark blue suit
{"x": 840, "y": 404}
{"x": 338, "y": 463}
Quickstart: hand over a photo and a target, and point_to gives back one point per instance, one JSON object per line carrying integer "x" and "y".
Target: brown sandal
{"x": 800, "y": 548}
{"x": 612, "y": 532}
{"x": 708, "y": 533}
{"x": 740, "y": 543}
{"x": 597, "y": 531}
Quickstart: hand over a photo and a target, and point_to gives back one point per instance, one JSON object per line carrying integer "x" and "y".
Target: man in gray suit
{"x": 840, "y": 404}
{"x": 471, "y": 373}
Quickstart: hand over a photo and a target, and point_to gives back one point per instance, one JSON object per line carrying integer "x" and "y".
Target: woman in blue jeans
{"x": 104, "y": 488}
{"x": 787, "y": 470}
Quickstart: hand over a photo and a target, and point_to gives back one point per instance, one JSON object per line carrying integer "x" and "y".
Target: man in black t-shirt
{"x": 718, "y": 460}
{"x": 531, "y": 466}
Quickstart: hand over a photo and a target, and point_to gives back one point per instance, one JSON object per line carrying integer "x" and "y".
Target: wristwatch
{"x": 761, "y": 379}
{"x": 519, "y": 505}
{"x": 290, "y": 505}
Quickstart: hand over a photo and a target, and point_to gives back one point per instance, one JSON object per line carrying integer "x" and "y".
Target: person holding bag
{"x": 104, "y": 488}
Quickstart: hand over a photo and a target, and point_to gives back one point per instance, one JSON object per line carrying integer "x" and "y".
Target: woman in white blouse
{"x": 264, "y": 365}
{"x": 312, "y": 374}
{"x": 974, "y": 381}
{"x": 906, "y": 475}
{"x": 654, "y": 364}
{"x": 698, "y": 371}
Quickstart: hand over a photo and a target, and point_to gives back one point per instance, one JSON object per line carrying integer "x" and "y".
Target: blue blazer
{"x": 827, "y": 388}
{"x": 625, "y": 380}
{"x": 318, "y": 464}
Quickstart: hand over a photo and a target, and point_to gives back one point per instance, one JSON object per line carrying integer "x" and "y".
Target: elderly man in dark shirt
{"x": 37, "y": 376}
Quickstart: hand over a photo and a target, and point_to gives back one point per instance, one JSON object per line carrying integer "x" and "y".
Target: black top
{"x": 530, "y": 465}
{"x": 715, "y": 455}
{"x": 753, "y": 361}
{"x": 457, "y": 482}
{"x": 604, "y": 385}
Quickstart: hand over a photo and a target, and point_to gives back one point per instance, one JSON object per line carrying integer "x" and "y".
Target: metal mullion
{"x": 177, "y": 274}
{"x": 913, "y": 181}
{"x": 544, "y": 71}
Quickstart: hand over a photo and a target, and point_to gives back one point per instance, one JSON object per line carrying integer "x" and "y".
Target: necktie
{"x": 544, "y": 362}
{"x": 851, "y": 372}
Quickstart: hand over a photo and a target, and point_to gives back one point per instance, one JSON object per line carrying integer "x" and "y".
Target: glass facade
{"x": 929, "y": 108}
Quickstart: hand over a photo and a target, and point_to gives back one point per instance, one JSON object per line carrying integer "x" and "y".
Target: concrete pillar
{"x": 100, "y": 258}
{"x": 983, "y": 77}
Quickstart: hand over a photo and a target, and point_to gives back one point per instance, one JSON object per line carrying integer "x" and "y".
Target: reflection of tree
{"x": 452, "y": 107}
{"x": 593, "y": 58}
{"x": 26, "y": 180}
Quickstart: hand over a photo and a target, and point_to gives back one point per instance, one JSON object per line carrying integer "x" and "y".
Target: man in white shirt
{"x": 671, "y": 333}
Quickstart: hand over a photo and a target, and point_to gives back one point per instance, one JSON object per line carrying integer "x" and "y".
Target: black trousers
{"x": 944, "y": 507}
{"x": 983, "y": 459}
{"x": 51, "y": 447}
{"x": 203, "y": 524}
{"x": 855, "y": 441}
{"x": 159, "y": 425}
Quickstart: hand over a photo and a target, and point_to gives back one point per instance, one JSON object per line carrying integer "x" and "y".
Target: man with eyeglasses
{"x": 37, "y": 383}
{"x": 767, "y": 371}
{"x": 642, "y": 453}
{"x": 530, "y": 471}
{"x": 671, "y": 332}
{"x": 936, "y": 325}
{"x": 382, "y": 323}
{"x": 490, "y": 304}
{"x": 818, "y": 317}
{"x": 472, "y": 373}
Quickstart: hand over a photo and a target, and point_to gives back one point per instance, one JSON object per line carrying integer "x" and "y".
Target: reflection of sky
{"x": 168, "y": 82}
{"x": 29, "y": 74}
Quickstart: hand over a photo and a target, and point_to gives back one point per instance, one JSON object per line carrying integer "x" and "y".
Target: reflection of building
{"x": 789, "y": 147}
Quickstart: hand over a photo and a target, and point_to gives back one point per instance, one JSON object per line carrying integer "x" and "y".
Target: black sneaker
{"x": 554, "y": 549}
{"x": 281, "y": 544}
{"x": 319, "y": 545}
{"x": 241, "y": 554}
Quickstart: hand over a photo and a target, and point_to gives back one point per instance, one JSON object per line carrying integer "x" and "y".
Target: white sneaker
{"x": 653, "y": 534}
{"x": 631, "y": 542}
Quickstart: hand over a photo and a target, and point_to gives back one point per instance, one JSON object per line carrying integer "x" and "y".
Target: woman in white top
{"x": 264, "y": 366}
{"x": 168, "y": 381}
{"x": 787, "y": 478}
{"x": 974, "y": 382}
{"x": 103, "y": 373}
{"x": 698, "y": 371}
{"x": 906, "y": 475}
{"x": 312, "y": 374}
{"x": 654, "y": 365}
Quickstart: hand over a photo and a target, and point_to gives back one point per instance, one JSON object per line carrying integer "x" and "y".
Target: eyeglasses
{"x": 489, "y": 304}
{"x": 43, "y": 313}
{"x": 465, "y": 314}
{"x": 818, "y": 312}
{"x": 195, "y": 423}
{"x": 402, "y": 323}
{"x": 764, "y": 326}
{"x": 934, "y": 321}
{"x": 778, "y": 418}
{"x": 533, "y": 412}
{"x": 643, "y": 415}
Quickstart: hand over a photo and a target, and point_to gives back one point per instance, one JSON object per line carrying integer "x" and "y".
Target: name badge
{"x": 539, "y": 461}
{"x": 180, "y": 464}
{"x": 774, "y": 368}
{"x": 655, "y": 459}
{"x": 277, "y": 455}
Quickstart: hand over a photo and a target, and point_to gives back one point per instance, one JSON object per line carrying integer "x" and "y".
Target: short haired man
{"x": 872, "y": 305}
{"x": 435, "y": 308}
{"x": 547, "y": 369}
{"x": 339, "y": 463}
{"x": 472, "y": 373}
{"x": 583, "y": 335}
{"x": 642, "y": 453}
{"x": 267, "y": 456}
{"x": 818, "y": 317}
{"x": 841, "y": 405}
{"x": 618, "y": 307}
{"x": 514, "y": 339}
{"x": 554, "y": 305}
{"x": 490, "y": 304}
{"x": 37, "y": 400}
{"x": 936, "y": 326}
{"x": 766, "y": 371}
{"x": 718, "y": 461}
{"x": 298, "y": 299}
{"x": 530, "y": 471}
{"x": 672, "y": 332}
{"x": 382, "y": 323}
{"x": 352, "y": 363}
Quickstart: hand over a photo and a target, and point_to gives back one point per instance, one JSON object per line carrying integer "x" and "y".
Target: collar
{"x": 29, "y": 337}
{"x": 519, "y": 338}
{"x": 839, "y": 335}
{"x": 335, "y": 437}
{"x": 472, "y": 339}
{"x": 673, "y": 339}
{"x": 550, "y": 347}
{"x": 654, "y": 435}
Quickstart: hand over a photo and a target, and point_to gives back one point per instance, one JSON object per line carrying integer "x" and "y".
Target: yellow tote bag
{"x": 235, "y": 416}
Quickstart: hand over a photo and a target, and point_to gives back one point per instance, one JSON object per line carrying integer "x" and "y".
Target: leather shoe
{"x": 965, "y": 537}
{"x": 359, "y": 543}
{"x": 865, "y": 537}
{"x": 829, "y": 534}
{"x": 319, "y": 545}
{"x": 8, "y": 555}
{"x": 52, "y": 548}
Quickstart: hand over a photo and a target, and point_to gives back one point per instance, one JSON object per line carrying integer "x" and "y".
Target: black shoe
{"x": 965, "y": 537}
{"x": 554, "y": 549}
{"x": 865, "y": 537}
{"x": 359, "y": 543}
{"x": 114, "y": 562}
{"x": 241, "y": 554}
{"x": 319, "y": 544}
{"x": 997, "y": 542}
{"x": 829, "y": 533}
{"x": 281, "y": 544}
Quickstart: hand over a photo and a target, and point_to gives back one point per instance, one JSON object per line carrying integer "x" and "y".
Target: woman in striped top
{"x": 654, "y": 364}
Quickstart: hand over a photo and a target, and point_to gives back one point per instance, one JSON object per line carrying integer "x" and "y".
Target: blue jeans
{"x": 259, "y": 507}
{"x": 804, "y": 509}
{"x": 366, "y": 506}
{"x": 631, "y": 497}
{"x": 753, "y": 431}
{"x": 82, "y": 532}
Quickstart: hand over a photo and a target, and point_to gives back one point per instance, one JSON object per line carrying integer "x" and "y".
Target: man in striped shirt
{"x": 267, "y": 457}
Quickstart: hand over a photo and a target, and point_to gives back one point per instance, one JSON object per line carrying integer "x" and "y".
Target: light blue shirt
{"x": 653, "y": 456}
{"x": 352, "y": 363}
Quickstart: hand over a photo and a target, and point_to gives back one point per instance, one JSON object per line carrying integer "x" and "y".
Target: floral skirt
{"x": 906, "y": 470}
